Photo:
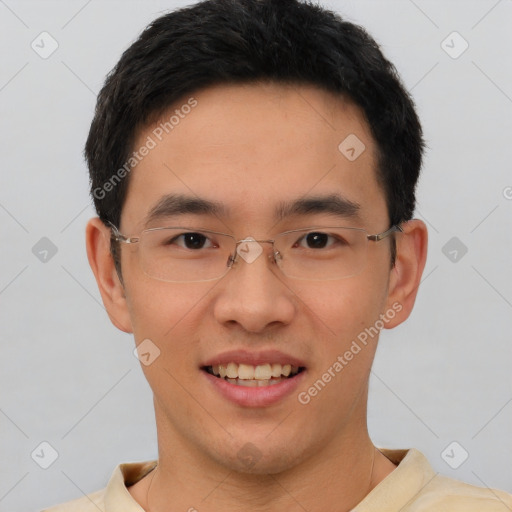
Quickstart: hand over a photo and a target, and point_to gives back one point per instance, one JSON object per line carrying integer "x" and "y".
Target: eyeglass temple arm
{"x": 380, "y": 236}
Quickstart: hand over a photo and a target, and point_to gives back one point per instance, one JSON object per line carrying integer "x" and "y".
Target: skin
{"x": 251, "y": 147}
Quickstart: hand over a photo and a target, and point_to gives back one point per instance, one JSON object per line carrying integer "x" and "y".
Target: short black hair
{"x": 246, "y": 41}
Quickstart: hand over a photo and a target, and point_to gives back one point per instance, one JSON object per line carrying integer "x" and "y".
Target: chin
{"x": 259, "y": 458}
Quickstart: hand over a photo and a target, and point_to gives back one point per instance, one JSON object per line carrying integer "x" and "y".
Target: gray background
{"x": 69, "y": 378}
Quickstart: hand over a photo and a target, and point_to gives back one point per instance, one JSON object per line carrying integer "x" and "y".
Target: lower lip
{"x": 255, "y": 396}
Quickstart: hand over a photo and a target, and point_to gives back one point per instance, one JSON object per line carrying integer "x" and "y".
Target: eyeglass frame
{"x": 118, "y": 237}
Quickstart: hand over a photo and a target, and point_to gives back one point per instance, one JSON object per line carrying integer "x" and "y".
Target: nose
{"x": 253, "y": 293}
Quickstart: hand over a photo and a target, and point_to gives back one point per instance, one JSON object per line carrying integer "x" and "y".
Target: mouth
{"x": 248, "y": 375}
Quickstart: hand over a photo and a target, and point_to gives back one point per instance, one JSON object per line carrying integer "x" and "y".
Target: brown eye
{"x": 193, "y": 241}
{"x": 317, "y": 240}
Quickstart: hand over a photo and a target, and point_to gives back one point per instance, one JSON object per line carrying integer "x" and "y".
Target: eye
{"x": 316, "y": 240}
{"x": 193, "y": 241}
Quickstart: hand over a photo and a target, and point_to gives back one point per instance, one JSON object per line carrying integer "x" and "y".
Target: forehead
{"x": 253, "y": 148}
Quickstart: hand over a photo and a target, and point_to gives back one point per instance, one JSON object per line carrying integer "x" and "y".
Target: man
{"x": 253, "y": 164}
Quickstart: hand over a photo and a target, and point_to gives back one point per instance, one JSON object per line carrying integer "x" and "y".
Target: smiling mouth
{"x": 249, "y": 375}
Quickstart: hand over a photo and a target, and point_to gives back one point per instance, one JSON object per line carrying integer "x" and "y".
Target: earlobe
{"x": 405, "y": 277}
{"x": 97, "y": 238}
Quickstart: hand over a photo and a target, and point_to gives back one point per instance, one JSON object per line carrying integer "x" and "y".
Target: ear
{"x": 97, "y": 239}
{"x": 405, "y": 277}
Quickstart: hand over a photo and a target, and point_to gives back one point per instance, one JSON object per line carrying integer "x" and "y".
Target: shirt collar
{"x": 117, "y": 496}
{"x": 412, "y": 474}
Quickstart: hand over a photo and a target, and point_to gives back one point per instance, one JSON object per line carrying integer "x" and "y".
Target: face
{"x": 252, "y": 149}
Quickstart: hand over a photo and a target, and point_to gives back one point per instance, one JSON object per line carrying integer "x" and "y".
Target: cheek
{"x": 342, "y": 309}
{"x": 344, "y": 314}
{"x": 170, "y": 319}
{"x": 170, "y": 315}
{"x": 158, "y": 308}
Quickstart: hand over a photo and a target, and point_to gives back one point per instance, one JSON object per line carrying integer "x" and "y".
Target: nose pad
{"x": 250, "y": 250}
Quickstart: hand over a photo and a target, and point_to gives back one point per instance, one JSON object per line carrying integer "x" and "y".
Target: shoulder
{"x": 414, "y": 486}
{"x": 445, "y": 494}
{"x": 91, "y": 503}
{"x": 115, "y": 494}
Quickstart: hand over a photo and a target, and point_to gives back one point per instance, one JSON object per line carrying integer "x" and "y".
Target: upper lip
{"x": 254, "y": 358}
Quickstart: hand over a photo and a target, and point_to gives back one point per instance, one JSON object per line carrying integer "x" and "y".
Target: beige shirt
{"x": 412, "y": 487}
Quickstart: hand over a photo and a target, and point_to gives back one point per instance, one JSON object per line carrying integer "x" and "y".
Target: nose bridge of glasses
{"x": 250, "y": 239}
{"x": 250, "y": 249}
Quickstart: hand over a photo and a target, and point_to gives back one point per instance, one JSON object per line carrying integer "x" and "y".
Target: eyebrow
{"x": 332, "y": 204}
{"x": 178, "y": 204}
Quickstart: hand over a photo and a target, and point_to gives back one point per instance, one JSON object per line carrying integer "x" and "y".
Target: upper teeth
{"x": 259, "y": 372}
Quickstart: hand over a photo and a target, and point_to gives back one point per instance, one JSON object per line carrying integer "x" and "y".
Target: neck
{"x": 344, "y": 472}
